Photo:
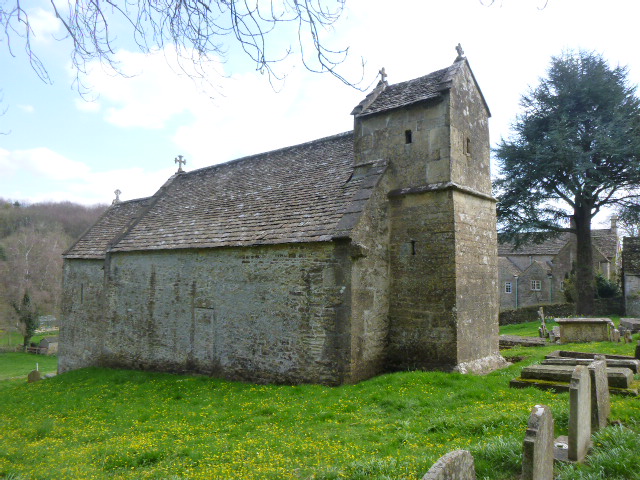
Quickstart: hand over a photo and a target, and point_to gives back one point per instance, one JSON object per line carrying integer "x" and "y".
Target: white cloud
{"x": 26, "y": 108}
{"x": 87, "y": 105}
{"x": 44, "y": 25}
{"x": 66, "y": 179}
{"x": 154, "y": 90}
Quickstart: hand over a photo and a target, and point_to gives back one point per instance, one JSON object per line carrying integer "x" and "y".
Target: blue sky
{"x": 58, "y": 146}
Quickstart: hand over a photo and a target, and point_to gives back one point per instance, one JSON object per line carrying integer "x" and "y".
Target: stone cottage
{"x": 330, "y": 261}
{"x": 534, "y": 274}
{"x": 631, "y": 275}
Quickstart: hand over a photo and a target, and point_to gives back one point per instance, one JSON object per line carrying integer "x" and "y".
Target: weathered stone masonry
{"x": 327, "y": 262}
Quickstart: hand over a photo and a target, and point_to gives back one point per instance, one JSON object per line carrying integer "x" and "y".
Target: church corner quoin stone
{"x": 326, "y": 262}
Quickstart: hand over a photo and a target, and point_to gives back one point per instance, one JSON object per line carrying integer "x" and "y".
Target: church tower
{"x": 443, "y": 298}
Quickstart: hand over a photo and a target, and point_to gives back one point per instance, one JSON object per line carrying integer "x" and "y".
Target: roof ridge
{"x": 268, "y": 152}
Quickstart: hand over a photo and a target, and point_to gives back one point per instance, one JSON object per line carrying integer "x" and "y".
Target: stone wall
{"x": 422, "y": 330}
{"x": 476, "y": 277}
{"x": 370, "y": 286}
{"x": 278, "y": 314}
{"x": 631, "y": 272}
{"x": 83, "y": 330}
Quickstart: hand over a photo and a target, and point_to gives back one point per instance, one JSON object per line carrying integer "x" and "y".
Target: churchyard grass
{"x": 18, "y": 365}
{"x": 100, "y": 423}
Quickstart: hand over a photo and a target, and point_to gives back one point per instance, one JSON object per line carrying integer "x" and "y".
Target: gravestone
{"x": 600, "y": 402}
{"x": 457, "y": 465}
{"x": 627, "y": 336}
{"x": 579, "y": 414}
{"x": 537, "y": 456}
{"x": 632, "y": 324}
{"x": 615, "y": 335}
{"x": 34, "y": 376}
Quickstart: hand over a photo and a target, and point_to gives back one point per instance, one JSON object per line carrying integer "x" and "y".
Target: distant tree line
{"x": 32, "y": 239}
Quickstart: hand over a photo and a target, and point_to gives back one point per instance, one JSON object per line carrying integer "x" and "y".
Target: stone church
{"x": 328, "y": 262}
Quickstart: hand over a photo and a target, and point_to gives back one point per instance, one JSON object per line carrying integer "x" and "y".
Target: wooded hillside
{"x": 32, "y": 239}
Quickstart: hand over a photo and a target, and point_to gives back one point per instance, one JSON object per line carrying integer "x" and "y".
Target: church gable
{"x": 112, "y": 224}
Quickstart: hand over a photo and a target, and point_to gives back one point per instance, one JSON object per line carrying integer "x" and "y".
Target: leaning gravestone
{"x": 34, "y": 376}
{"x": 457, "y": 465}
{"x": 537, "y": 457}
{"x": 600, "y": 402}
{"x": 579, "y": 414}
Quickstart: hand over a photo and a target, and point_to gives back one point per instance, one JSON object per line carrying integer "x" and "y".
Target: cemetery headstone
{"x": 627, "y": 336}
{"x": 537, "y": 458}
{"x": 34, "y": 376}
{"x": 615, "y": 335}
{"x": 457, "y": 465}
{"x": 600, "y": 401}
{"x": 579, "y": 414}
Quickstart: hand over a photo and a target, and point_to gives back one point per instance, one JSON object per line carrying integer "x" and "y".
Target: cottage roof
{"x": 305, "y": 193}
{"x": 508, "y": 267}
{"x": 603, "y": 239}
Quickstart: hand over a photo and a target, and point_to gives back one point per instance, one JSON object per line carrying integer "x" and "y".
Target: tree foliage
{"x": 198, "y": 31}
{"x": 32, "y": 239}
{"x": 27, "y": 317}
{"x": 575, "y": 150}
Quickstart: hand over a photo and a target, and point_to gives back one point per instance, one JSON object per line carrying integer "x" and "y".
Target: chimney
{"x": 572, "y": 222}
{"x": 614, "y": 225}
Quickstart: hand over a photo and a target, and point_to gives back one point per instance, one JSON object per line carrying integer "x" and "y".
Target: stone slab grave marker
{"x": 618, "y": 377}
{"x": 579, "y": 414}
{"x": 632, "y": 364}
{"x": 627, "y": 336}
{"x": 600, "y": 401}
{"x": 456, "y": 465}
{"x": 537, "y": 455}
{"x": 584, "y": 329}
{"x": 632, "y": 324}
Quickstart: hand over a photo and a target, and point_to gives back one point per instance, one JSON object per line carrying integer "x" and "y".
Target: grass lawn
{"x": 99, "y": 423}
{"x": 14, "y": 339}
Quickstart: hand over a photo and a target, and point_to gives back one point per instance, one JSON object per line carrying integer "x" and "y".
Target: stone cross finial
{"x": 460, "y": 52}
{"x": 180, "y": 161}
{"x": 117, "y": 199}
{"x": 383, "y": 75}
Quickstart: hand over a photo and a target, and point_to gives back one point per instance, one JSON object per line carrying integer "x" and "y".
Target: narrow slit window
{"x": 408, "y": 137}
{"x": 413, "y": 247}
{"x": 467, "y": 146}
{"x": 82, "y": 293}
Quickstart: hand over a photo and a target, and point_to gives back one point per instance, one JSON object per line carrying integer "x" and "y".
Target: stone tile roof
{"x": 113, "y": 223}
{"x": 603, "y": 240}
{"x": 305, "y": 193}
{"x": 550, "y": 246}
{"x": 406, "y": 93}
{"x": 507, "y": 266}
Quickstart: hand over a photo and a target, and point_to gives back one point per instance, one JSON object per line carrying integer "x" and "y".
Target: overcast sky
{"x": 58, "y": 146}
